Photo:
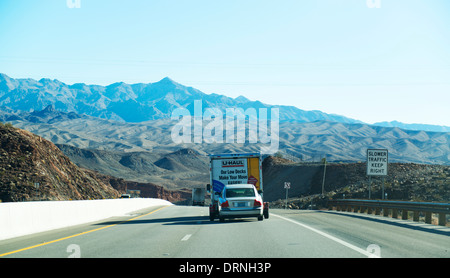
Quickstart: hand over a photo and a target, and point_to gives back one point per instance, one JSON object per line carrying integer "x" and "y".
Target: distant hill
{"x": 184, "y": 168}
{"x": 435, "y": 128}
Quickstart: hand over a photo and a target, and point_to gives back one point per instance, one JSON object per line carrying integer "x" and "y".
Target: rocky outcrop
{"x": 147, "y": 190}
{"x": 27, "y": 160}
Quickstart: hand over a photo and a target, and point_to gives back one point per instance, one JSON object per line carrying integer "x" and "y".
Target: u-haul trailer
{"x": 226, "y": 169}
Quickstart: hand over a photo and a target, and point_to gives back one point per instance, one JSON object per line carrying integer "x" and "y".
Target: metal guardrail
{"x": 395, "y": 206}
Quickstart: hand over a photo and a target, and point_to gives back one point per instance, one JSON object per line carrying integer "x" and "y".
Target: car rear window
{"x": 239, "y": 192}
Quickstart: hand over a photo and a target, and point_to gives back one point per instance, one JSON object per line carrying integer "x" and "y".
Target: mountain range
{"x": 132, "y": 118}
{"x": 122, "y": 134}
{"x": 142, "y": 102}
{"x": 124, "y": 131}
{"x": 131, "y": 103}
{"x": 307, "y": 141}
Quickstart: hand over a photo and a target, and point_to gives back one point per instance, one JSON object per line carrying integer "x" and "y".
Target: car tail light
{"x": 257, "y": 203}
{"x": 225, "y": 205}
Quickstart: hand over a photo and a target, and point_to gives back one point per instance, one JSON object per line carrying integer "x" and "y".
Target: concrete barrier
{"x": 18, "y": 219}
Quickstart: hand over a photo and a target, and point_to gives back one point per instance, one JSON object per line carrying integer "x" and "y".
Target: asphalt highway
{"x": 186, "y": 232}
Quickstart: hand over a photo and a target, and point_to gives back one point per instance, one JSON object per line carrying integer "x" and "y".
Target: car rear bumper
{"x": 237, "y": 213}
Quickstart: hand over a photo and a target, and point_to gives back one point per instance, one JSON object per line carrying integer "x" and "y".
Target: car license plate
{"x": 240, "y": 204}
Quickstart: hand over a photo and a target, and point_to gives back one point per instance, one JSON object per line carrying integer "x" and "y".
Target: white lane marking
{"x": 351, "y": 246}
{"x": 186, "y": 237}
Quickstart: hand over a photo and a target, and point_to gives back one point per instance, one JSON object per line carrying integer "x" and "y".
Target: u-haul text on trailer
{"x": 237, "y": 170}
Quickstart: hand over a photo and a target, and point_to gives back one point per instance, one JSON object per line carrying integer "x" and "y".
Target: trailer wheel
{"x": 212, "y": 212}
{"x": 266, "y": 210}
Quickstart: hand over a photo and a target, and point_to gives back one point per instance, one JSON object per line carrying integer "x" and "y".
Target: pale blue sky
{"x": 338, "y": 56}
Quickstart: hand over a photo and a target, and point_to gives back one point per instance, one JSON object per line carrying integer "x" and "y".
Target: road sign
{"x": 377, "y": 162}
{"x": 252, "y": 180}
{"x": 287, "y": 186}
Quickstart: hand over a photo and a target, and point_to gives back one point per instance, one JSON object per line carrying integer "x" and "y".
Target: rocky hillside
{"x": 148, "y": 190}
{"x": 27, "y": 159}
{"x": 406, "y": 181}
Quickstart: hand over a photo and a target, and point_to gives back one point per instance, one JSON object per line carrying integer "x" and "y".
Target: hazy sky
{"x": 338, "y": 56}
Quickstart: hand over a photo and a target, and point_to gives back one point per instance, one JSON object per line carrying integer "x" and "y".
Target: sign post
{"x": 287, "y": 186}
{"x": 324, "y": 160}
{"x": 36, "y": 186}
{"x": 377, "y": 165}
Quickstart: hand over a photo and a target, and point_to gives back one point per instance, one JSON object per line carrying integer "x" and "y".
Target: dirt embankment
{"x": 405, "y": 181}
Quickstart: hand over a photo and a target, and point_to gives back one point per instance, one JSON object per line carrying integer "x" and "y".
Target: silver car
{"x": 239, "y": 201}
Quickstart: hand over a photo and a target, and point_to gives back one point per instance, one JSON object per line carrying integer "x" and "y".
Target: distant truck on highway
{"x": 235, "y": 169}
{"x": 198, "y": 196}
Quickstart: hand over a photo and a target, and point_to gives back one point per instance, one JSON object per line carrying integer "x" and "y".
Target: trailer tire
{"x": 266, "y": 210}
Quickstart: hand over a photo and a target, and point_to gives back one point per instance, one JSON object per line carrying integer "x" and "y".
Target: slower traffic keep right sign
{"x": 377, "y": 162}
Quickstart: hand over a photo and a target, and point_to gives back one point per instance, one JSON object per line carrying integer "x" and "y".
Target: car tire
{"x": 260, "y": 218}
{"x": 221, "y": 219}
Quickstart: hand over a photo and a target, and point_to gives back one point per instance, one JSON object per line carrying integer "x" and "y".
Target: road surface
{"x": 186, "y": 232}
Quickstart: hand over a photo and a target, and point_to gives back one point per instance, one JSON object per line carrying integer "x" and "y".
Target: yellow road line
{"x": 76, "y": 235}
